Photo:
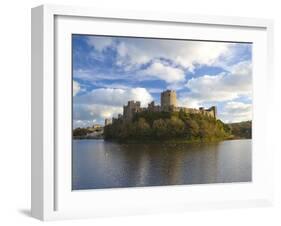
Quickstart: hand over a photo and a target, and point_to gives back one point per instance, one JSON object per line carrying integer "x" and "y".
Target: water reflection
{"x": 100, "y": 164}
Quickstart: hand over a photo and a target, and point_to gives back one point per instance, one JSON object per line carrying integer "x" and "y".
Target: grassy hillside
{"x": 168, "y": 126}
{"x": 241, "y": 129}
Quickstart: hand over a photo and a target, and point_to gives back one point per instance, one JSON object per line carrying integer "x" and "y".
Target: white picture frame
{"x": 52, "y": 197}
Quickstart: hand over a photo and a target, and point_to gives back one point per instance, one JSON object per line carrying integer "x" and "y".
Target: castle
{"x": 168, "y": 104}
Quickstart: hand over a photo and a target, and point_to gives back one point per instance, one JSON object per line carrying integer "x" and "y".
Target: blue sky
{"x": 109, "y": 71}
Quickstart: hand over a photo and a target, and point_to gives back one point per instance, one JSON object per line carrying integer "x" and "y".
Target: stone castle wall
{"x": 130, "y": 109}
{"x": 168, "y": 103}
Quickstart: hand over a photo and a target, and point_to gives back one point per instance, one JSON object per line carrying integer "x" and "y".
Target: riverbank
{"x": 171, "y": 141}
{"x": 87, "y": 138}
{"x": 166, "y": 141}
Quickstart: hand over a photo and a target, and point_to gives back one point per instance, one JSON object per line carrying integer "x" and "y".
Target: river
{"x": 102, "y": 164}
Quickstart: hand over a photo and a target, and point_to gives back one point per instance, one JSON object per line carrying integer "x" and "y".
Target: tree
{"x": 160, "y": 128}
{"x": 168, "y": 125}
{"x": 192, "y": 128}
{"x": 142, "y": 128}
{"x": 204, "y": 129}
{"x": 80, "y": 132}
{"x": 175, "y": 127}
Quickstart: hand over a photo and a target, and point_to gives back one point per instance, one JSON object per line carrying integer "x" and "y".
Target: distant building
{"x": 97, "y": 126}
{"x": 168, "y": 104}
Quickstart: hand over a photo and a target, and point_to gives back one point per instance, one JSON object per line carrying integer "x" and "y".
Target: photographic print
{"x": 159, "y": 112}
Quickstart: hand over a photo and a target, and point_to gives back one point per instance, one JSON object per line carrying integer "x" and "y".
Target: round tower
{"x": 168, "y": 99}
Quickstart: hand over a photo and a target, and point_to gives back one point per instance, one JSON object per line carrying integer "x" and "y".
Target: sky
{"x": 110, "y": 71}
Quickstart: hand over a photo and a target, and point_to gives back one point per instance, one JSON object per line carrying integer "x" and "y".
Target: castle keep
{"x": 168, "y": 103}
{"x": 168, "y": 100}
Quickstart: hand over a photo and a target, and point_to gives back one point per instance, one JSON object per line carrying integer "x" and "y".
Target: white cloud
{"x": 135, "y": 52}
{"x": 155, "y": 90}
{"x": 83, "y": 123}
{"x": 164, "y": 72}
{"x": 88, "y": 114}
{"x": 225, "y": 86}
{"x": 100, "y": 43}
{"x": 76, "y": 88}
{"x": 107, "y": 102}
{"x": 115, "y": 97}
{"x": 186, "y": 101}
{"x": 92, "y": 75}
{"x": 182, "y": 55}
{"x": 104, "y": 111}
{"x": 236, "y": 112}
{"x": 237, "y": 52}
